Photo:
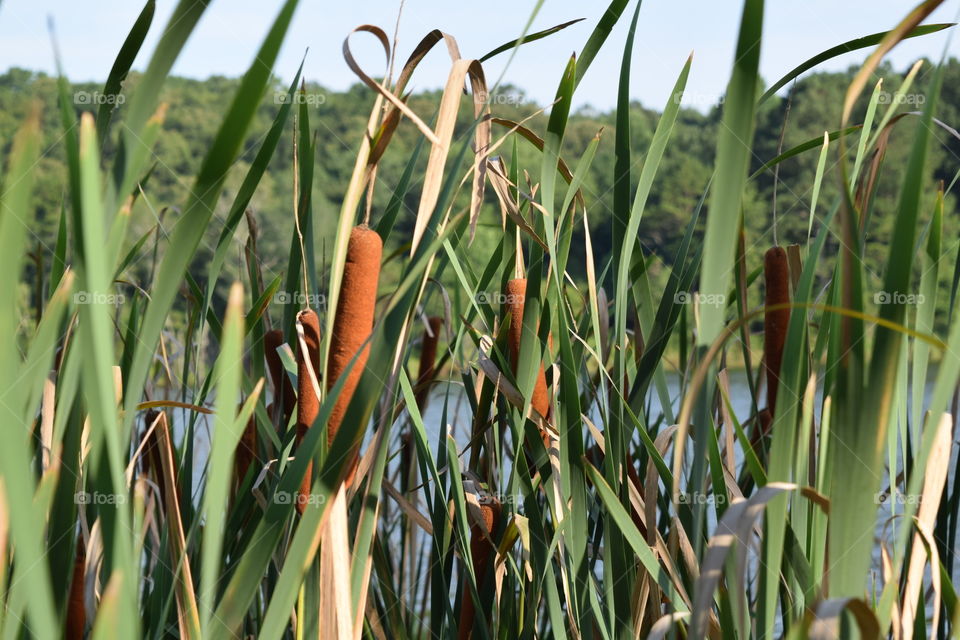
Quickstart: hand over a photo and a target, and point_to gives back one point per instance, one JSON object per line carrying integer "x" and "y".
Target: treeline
{"x": 337, "y": 119}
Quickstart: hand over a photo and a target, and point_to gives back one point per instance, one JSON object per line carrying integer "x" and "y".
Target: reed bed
{"x": 183, "y": 463}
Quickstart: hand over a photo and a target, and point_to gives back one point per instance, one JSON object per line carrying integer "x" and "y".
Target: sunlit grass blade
{"x": 133, "y": 155}
{"x": 196, "y": 216}
{"x": 36, "y": 591}
{"x": 857, "y": 458}
{"x": 121, "y": 67}
{"x": 96, "y": 335}
{"x": 257, "y": 169}
{"x": 733, "y": 158}
{"x": 227, "y": 430}
{"x": 846, "y": 47}
{"x": 532, "y": 37}
{"x": 599, "y": 35}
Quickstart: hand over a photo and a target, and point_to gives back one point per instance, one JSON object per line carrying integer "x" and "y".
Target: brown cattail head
{"x": 353, "y": 324}
{"x": 516, "y": 294}
{"x": 483, "y": 528}
{"x": 76, "y": 610}
{"x": 428, "y": 358}
{"x": 246, "y": 451}
{"x": 308, "y": 404}
{"x": 407, "y": 450}
{"x": 776, "y": 273}
{"x": 282, "y": 387}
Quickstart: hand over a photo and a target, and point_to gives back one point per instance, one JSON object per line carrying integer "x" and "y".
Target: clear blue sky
{"x": 90, "y": 33}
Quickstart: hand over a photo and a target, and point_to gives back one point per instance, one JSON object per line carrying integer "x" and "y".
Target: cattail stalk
{"x": 777, "y": 280}
{"x": 246, "y": 451}
{"x": 483, "y": 552}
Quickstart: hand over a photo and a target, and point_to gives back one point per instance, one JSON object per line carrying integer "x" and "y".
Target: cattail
{"x": 516, "y": 294}
{"x": 483, "y": 551}
{"x": 353, "y": 325}
{"x": 246, "y": 451}
{"x": 283, "y": 392}
{"x": 76, "y": 610}
{"x": 777, "y": 279}
{"x": 428, "y": 358}
{"x": 308, "y": 405}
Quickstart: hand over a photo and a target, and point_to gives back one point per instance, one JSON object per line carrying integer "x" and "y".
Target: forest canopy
{"x": 811, "y": 106}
